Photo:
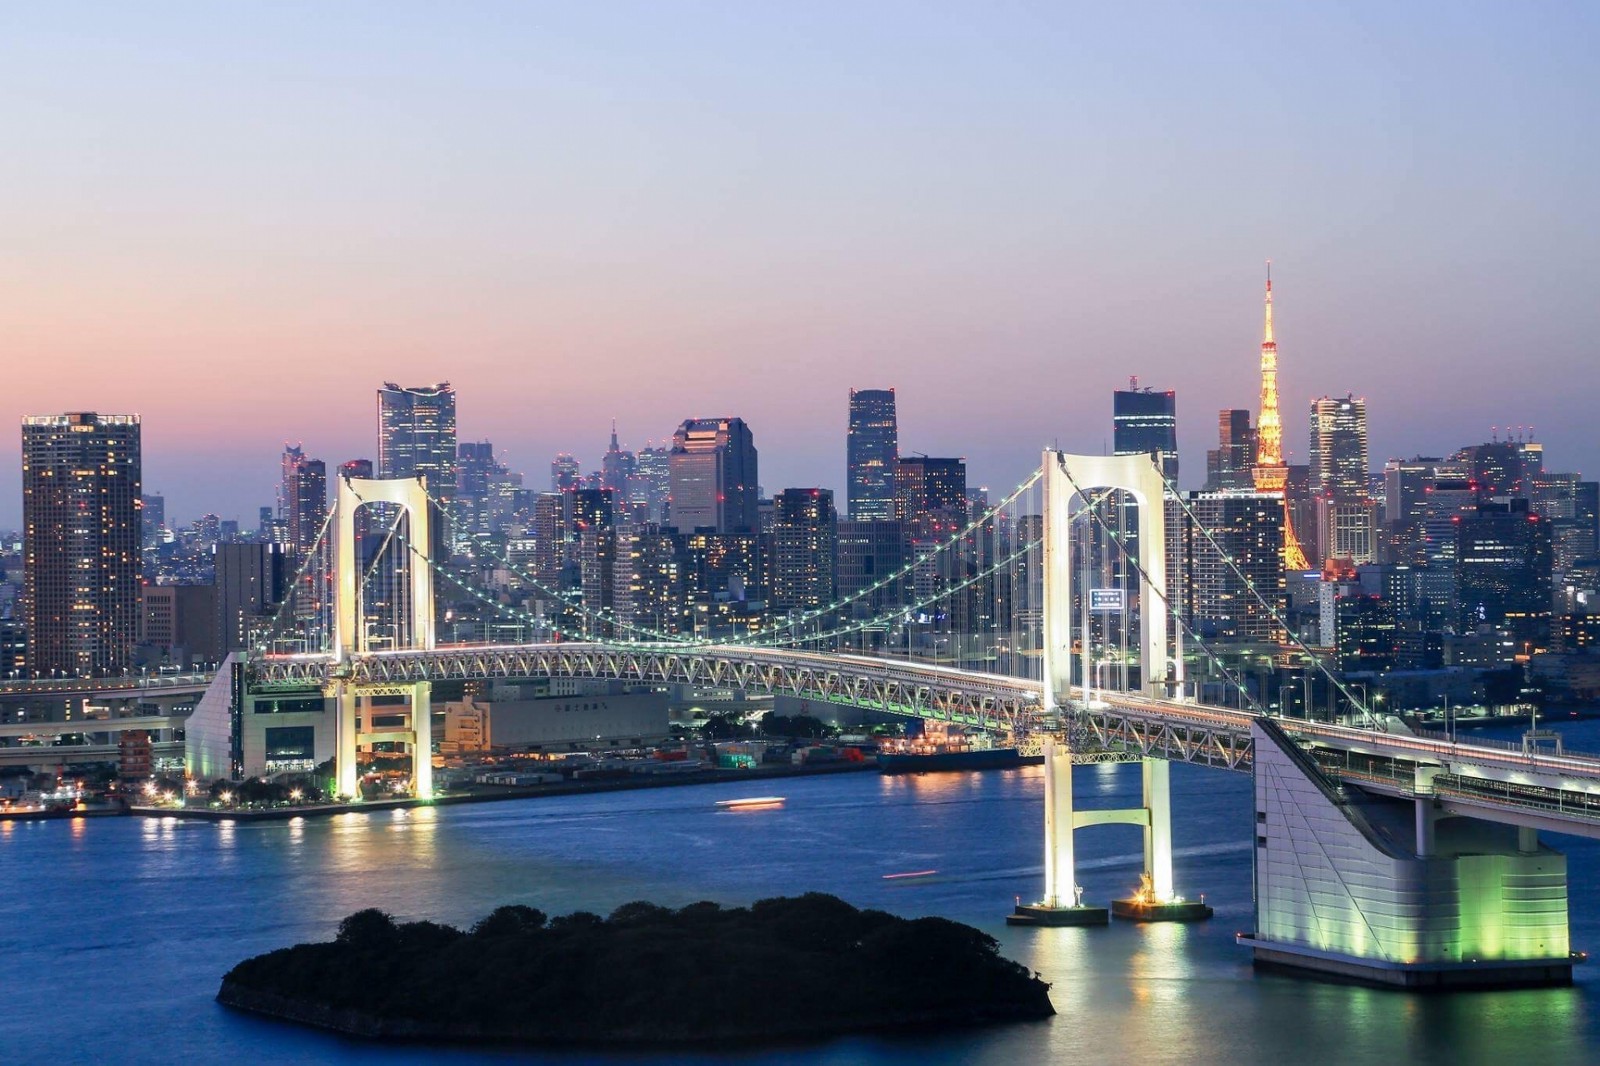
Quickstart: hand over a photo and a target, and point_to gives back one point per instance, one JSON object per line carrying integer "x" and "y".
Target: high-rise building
{"x": 1496, "y": 467}
{"x": 1339, "y": 465}
{"x": 153, "y": 516}
{"x": 81, "y": 482}
{"x": 871, "y": 449}
{"x": 1228, "y": 467}
{"x": 617, "y": 467}
{"x": 1503, "y": 570}
{"x": 651, "y": 485}
{"x": 302, "y": 500}
{"x": 804, "y": 536}
{"x": 252, "y": 580}
{"x": 869, "y": 554}
{"x": 1347, "y": 530}
{"x": 926, "y": 486}
{"x": 1145, "y": 422}
{"x": 713, "y": 472}
{"x": 1271, "y": 473}
{"x": 565, "y": 472}
{"x": 417, "y": 435}
{"x": 1230, "y": 573}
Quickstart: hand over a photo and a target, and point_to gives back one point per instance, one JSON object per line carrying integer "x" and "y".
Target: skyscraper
{"x": 926, "y": 486}
{"x": 1339, "y": 463}
{"x": 417, "y": 435}
{"x": 713, "y": 472}
{"x": 1143, "y": 422}
{"x": 805, "y": 535}
{"x": 617, "y": 467}
{"x": 651, "y": 484}
{"x": 302, "y": 500}
{"x": 871, "y": 450}
{"x": 1503, "y": 570}
{"x": 1228, "y": 467}
{"x": 565, "y": 473}
{"x": 1271, "y": 473}
{"x": 1241, "y": 560}
{"x": 81, "y": 481}
{"x": 251, "y": 581}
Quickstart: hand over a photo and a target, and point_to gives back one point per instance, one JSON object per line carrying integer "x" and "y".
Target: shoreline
{"x": 502, "y": 794}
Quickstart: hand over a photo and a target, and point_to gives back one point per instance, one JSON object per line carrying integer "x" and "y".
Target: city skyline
{"x": 354, "y": 201}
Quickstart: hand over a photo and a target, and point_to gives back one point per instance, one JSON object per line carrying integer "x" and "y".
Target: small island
{"x": 781, "y": 970}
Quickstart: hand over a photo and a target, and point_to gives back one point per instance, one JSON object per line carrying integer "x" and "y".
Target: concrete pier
{"x": 1364, "y": 887}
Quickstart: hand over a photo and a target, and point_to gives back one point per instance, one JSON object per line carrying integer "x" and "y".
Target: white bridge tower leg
{"x": 1060, "y": 874}
{"x": 1158, "y": 832}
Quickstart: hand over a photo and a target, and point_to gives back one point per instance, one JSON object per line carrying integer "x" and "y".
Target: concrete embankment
{"x": 494, "y": 794}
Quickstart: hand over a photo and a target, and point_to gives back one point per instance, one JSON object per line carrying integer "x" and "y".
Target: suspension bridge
{"x": 1381, "y": 852}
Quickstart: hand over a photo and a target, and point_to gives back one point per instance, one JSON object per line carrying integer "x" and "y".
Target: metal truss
{"x": 1206, "y": 738}
{"x": 998, "y": 704}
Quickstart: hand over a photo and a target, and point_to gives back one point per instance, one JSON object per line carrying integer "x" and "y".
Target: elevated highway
{"x": 1559, "y": 791}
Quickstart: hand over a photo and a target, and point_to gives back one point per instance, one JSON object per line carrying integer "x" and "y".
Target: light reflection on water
{"x": 139, "y": 918}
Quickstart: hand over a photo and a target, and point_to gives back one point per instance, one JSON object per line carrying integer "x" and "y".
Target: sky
{"x": 238, "y": 220}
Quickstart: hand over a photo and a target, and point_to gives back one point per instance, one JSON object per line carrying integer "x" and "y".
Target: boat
{"x": 945, "y": 751}
{"x": 750, "y": 803}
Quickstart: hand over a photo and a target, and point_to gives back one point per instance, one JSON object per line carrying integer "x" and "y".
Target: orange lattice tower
{"x": 1270, "y": 472}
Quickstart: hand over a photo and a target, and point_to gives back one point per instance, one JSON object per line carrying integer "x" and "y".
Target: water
{"x": 114, "y": 933}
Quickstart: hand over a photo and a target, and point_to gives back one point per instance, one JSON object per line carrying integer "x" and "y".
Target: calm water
{"x": 114, "y": 933}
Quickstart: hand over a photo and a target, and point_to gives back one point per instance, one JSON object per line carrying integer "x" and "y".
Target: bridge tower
{"x": 350, "y": 637}
{"x": 1069, "y": 477}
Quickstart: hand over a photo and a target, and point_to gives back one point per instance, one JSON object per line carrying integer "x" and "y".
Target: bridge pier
{"x": 1063, "y": 897}
{"x": 346, "y": 775}
{"x": 1386, "y": 891}
{"x": 1062, "y": 903}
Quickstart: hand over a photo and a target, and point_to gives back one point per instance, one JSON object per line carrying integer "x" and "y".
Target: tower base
{"x": 1522, "y": 973}
{"x": 1133, "y": 910}
{"x": 1038, "y": 914}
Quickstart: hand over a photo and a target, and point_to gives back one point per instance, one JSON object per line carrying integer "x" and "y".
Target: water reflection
{"x": 204, "y": 895}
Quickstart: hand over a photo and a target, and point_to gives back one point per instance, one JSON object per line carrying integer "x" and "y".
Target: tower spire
{"x": 614, "y": 446}
{"x": 1270, "y": 473}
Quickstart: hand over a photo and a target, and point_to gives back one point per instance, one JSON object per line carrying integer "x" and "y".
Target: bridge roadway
{"x": 1560, "y": 792}
{"x": 163, "y": 686}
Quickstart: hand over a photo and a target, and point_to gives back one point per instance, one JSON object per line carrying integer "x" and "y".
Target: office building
{"x": 617, "y": 467}
{"x": 302, "y": 500}
{"x": 565, "y": 472}
{"x": 869, "y": 554}
{"x": 153, "y": 517}
{"x": 1338, "y": 458}
{"x": 1496, "y": 468}
{"x": 1145, "y": 422}
{"x": 417, "y": 435}
{"x": 252, "y": 580}
{"x": 81, "y": 488}
{"x": 1234, "y": 579}
{"x": 713, "y": 476}
{"x": 871, "y": 449}
{"x": 804, "y": 539}
{"x": 926, "y": 486}
{"x": 651, "y": 485}
{"x": 1503, "y": 570}
{"x": 1229, "y": 465}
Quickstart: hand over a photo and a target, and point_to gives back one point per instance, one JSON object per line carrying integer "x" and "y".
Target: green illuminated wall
{"x": 1345, "y": 878}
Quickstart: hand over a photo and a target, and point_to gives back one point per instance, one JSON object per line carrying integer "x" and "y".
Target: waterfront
{"x": 114, "y": 933}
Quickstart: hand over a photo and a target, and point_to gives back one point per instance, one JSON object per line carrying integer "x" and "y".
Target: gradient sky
{"x": 237, "y": 220}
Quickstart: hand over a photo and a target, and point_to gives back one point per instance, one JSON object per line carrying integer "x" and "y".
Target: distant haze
{"x": 237, "y": 221}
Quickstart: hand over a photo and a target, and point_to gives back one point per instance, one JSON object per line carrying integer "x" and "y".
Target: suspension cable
{"x": 1161, "y": 593}
{"x": 265, "y": 642}
{"x": 1272, "y": 611}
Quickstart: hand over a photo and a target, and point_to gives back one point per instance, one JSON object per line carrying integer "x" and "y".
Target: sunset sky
{"x": 238, "y": 220}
